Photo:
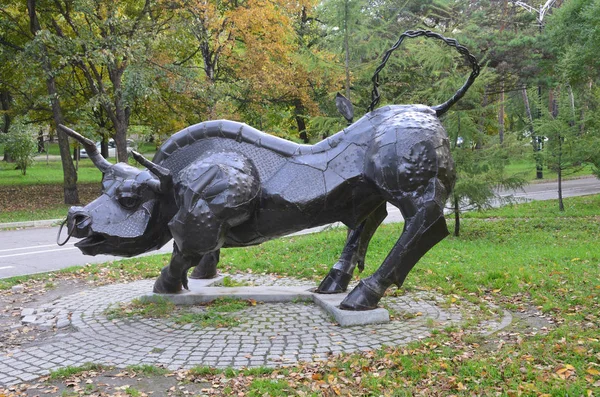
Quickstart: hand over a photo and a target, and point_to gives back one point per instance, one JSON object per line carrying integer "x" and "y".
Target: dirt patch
{"x": 526, "y": 322}
{"x": 112, "y": 383}
{"x": 39, "y": 197}
{"x": 32, "y": 294}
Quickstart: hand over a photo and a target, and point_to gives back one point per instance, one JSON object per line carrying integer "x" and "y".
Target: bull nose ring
{"x": 85, "y": 218}
{"x": 59, "y": 232}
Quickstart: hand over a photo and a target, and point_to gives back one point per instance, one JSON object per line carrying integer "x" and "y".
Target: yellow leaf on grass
{"x": 593, "y": 371}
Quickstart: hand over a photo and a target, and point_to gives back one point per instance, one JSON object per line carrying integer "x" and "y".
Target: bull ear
{"x": 162, "y": 173}
{"x": 90, "y": 147}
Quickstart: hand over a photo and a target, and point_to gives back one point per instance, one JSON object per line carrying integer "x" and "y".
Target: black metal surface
{"x": 222, "y": 184}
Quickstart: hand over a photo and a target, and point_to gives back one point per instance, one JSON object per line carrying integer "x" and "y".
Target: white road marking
{"x": 37, "y": 252}
{"x": 6, "y": 267}
{"x": 32, "y": 247}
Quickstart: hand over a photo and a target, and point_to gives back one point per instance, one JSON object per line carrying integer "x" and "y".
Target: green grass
{"x": 526, "y": 168}
{"x": 147, "y": 370}
{"x": 228, "y": 281}
{"x": 157, "y": 307}
{"x": 68, "y": 371}
{"x": 216, "y": 314}
{"x": 50, "y": 172}
{"x": 575, "y": 207}
{"x": 55, "y": 212}
{"x": 133, "y": 392}
{"x": 523, "y": 257}
{"x": 46, "y": 173}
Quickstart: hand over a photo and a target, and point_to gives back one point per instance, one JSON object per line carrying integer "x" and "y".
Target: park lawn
{"x": 526, "y": 169}
{"x": 522, "y": 258}
{"x": 20, "y": 203}
{"x": 42, "y": 172}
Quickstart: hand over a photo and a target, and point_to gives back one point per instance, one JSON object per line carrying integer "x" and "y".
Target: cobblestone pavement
{"x": 269, "y": 334}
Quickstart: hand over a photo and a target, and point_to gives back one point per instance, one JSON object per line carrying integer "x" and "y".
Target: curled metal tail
{"x": 439, "y": 109}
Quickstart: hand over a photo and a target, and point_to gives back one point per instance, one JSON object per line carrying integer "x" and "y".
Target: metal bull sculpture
{"x": 222, "y": 184}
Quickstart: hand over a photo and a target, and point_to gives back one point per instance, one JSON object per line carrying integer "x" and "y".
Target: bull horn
{"x": 163, "y": 174}
{"x": 90, "y": 147}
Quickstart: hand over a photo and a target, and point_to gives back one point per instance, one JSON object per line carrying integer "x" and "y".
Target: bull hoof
{"x": 207, "y": 268}
{"x": 203, "y": 273}
{"x": 166, "y": 284}
{"x": 334, "y": 283}
{"x": 361, "y": 298}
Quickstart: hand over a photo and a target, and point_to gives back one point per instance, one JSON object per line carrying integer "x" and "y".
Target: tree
{"x": 21, "y": 144}
{"x": 40, "y": 50}
{"x": 480, "y": 174}
{"x": 567, "y": 148}
{"x": 109, "y": 43}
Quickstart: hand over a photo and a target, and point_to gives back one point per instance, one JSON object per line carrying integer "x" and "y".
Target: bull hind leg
{"x": 353, "y": 254}
{"x": 424, "y": 227}
{"x": 207, "y": 267}
{"x": 173, "y": 277}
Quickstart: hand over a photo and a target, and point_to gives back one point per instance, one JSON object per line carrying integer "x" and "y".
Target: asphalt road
{"x": 31, "y": 251}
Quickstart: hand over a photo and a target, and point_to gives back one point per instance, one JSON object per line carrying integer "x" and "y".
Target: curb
{"x": 30, "y": 224}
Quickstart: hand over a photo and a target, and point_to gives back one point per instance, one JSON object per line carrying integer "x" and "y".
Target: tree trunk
{"x": 554, "y": 111}
{"x": 71, "y": 194}
{"x": 347, "y": 48}
{"x": 121, "y": 142}
{"x": 479, "y": 140}
{"x": 121, "y": 113}
{"x": 456, "y": 217}
{"x": 104, "y": 147}
{"x": 561, "y": 205}
{"x": 501, "y": 116}
{"x": 300, "y": 121}
{"x": 534, "y": 138}
{"x": 40, "y": 140}
{"x": 5, "y": 101}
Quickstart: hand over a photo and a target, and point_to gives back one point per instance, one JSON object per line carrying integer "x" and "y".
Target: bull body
{"x": 222, "y": 184}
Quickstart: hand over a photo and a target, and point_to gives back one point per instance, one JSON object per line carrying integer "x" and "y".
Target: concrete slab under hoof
{"x": 347, "y": 318}
{"x": 207, "y": 290}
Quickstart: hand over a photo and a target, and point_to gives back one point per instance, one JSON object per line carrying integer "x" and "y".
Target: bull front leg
{"x": 353, "y": 254}
{"x": 424, "y": 227}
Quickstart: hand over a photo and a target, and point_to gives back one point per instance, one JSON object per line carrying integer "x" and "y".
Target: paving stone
{"x": 270, "y": 334}
{"x": 17, "y": 289}
{"x": 29, "y": 319}
{"x": 28, "y": 311}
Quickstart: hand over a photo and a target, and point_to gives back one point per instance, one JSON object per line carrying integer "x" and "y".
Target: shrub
{"x": 20, "y": 144}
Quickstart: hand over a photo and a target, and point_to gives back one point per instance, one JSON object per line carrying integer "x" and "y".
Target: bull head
{"x": 131, "y": 215}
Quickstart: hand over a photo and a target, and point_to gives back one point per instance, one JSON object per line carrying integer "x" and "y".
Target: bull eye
{"x": 129, "y": 202}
